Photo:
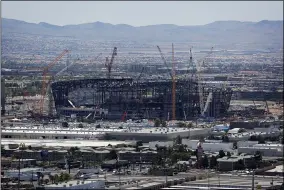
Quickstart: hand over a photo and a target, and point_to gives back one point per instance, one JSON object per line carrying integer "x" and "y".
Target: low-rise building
{"x": 77, "y": 184}
{"x": 153, "y": 144}
{"x": 271, "y": 150}
{"x": 134, "y": 157}
{"x": 209, "y": 146}
{"x": 23, "y": 163}
{"x": 235, "y": 162}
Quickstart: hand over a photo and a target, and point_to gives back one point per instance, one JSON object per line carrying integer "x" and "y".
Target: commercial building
{"x": 209, "y": 146}
{"x": 235, "y": 162}
{"x": 145, "y": 134}
{"x": 134, "y": 157}
{"x": 271, "y": 150}
{"x": 77, "y": 184}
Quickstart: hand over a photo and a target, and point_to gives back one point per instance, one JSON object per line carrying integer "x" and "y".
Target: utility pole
{"x": 219, "y": 178}
{"x": 252, "y": 183}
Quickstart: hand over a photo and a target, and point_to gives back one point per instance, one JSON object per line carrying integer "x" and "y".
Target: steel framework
{"x": 145, "y": 99}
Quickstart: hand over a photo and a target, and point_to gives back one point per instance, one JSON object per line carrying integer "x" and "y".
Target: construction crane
{"x": 96, "y": 57}
{"x": 200, "y": 88}
{"x": 165, "y": 62}
{"x": 46, "y": 80}
{"x": 172, "y": 75}
{"x": 267, "y": 108}
{"x": 173, "y": 86}
{"x": 67, "y": 67}
{"x": 108, "y": 63}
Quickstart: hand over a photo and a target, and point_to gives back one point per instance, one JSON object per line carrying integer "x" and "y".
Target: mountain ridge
{"x": 218, "y": 32}
{"x": 98, "y": 22}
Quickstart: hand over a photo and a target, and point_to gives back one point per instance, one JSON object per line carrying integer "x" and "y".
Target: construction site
{"x": 173, "y": 97}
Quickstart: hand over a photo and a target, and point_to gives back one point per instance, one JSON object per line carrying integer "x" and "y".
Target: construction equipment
{"x": 65, "y": 68}
{"x": 267, "y": 108}
{"x": 96, "y": 58}
{"x": 142, "y": 71}
{"x": 108, "y": 63}
{"x": 173, "y": 86}
{"x": 165, "y": 62}
{"x": 200, "y": 87}
{"x": 172, "y": 75}
{"x": 45, "y": 80}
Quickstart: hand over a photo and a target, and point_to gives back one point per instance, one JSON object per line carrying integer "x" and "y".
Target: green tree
{"x": 61, "y": 177}
{"x": 164, "y": 123}
{"x": 181, "y": 125}
{"x": 112, "y": 155}
{"x": 65, "y": 124}
{"x": 228, "y": 154}
{"x": 221, "y": 154}
{"x": 157, "y": 122}
{"x": 261, "y": 140}
{"x": 258, "y": 156}
{"x": 139, "y": 143}
{"x": 66, "y": 177}
{"x": 190, "y": 125}
{"x": 225, "y": 138}
{"x": 178, "y": 140}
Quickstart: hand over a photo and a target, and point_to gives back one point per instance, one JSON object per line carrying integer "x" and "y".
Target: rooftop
{"x": 64, "y": 143}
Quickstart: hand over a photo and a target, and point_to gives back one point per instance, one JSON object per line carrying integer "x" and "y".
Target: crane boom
{"x": 64, "y": 69}
{"x": 108, "y": 63}
{"x": 44, "y": 81}
{"x": 200, "y": 89}
{"x": 164, "y": 60}
{"x": 173, "y": 86}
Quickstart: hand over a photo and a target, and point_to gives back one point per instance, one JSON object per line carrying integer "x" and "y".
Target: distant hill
{"x": 220, "y": 32}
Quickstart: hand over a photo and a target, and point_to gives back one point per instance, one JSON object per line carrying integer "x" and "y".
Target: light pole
{"x": 21, "y": 155}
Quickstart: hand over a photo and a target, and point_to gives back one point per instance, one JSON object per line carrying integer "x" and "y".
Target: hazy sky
{"x": 141, "y": 13}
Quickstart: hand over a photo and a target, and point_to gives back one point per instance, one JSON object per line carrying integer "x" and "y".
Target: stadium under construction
{"x": 116, "y": 99}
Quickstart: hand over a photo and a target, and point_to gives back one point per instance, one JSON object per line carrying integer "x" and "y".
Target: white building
{"x": 77, "y": 184}
{"x": 271, "y": 150}
{"x": 208, "y": 146}
{"x": 153, "y": 144}
{"x": 118, "y": 132}
{"x": 246, "y": 143}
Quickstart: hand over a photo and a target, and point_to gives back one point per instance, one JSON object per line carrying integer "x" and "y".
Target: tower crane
{"x": 108, "y": 63}
{"x": 164, "y": 60}
{"x": 172, "y": 74}
{"x": 45, "y": 80}
{"x": 173, "y": 86}
{"x": 200, "y": 88}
